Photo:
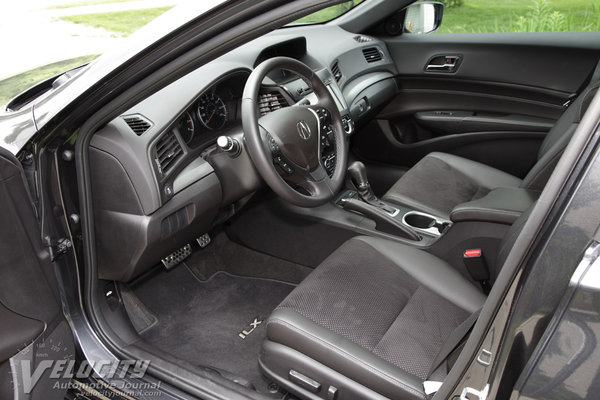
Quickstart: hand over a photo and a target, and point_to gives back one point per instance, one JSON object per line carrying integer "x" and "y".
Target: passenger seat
{"x": 441, "y": 181}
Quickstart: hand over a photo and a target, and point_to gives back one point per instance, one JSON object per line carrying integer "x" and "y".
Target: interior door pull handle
{"x": 443, "y": 63}
{"x": 432, "y": 67}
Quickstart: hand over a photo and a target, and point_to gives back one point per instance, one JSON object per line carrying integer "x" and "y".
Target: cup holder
{"x": 419, "y": 221}
{"x": 425, "y": 223}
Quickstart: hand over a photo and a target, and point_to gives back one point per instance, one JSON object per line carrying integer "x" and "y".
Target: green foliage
{"x": 329, "y": 13}
{"x": 123, "y": 22}
{"x": 451, "y": 3}
{"x": 10, "y": 87}
{"x": 540, "y": 18}
{"x": 82, "y": 3}
{"x": 478, "y": 16}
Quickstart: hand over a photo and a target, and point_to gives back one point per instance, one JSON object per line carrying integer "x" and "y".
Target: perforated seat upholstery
{"x": 440, "y": 181}
{"x": 375, "y": 312}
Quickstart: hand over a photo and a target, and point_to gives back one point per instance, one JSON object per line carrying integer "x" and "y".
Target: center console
{"x": 389, "y": 218}
{"x": 396, "y": 220}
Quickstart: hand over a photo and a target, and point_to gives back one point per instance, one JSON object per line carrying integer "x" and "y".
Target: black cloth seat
{"x": 440, "y": 181}
{"x": 369, "y": 321}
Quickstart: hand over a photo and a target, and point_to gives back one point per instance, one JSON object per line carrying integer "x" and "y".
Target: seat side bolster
{"x": 431, "y": 272}
{"x": 287, "y": 327}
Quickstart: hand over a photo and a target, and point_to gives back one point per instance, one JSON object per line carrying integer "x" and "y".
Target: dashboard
{"x": 159, "y": 180}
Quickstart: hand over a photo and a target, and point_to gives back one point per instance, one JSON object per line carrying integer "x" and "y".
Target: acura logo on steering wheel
{"x": 303, "y": 130}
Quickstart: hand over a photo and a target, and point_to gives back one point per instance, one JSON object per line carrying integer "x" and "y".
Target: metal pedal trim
{"x": 176, "y": 257}
{"x": 204, "y": 240}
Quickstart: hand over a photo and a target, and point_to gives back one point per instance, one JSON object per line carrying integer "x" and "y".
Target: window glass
{"x": 65, "y": 34}
{"x": 328, "y": 14}
{"x": 476, "y": 16}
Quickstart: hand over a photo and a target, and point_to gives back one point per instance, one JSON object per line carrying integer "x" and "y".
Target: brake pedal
{"x": 176, "y": 257}
{"x": 203, "y": 240}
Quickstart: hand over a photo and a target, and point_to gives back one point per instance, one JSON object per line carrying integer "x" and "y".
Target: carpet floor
{"x": 219, "y": 322}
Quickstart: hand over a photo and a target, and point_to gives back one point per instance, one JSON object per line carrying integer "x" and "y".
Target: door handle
{"x": 440, "y": 67}
{"x": 443, "y": 63}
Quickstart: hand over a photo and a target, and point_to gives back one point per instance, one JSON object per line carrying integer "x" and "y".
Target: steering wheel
{"x": 291, "y": 138}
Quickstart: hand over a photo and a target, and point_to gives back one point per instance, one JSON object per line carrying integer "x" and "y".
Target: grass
{"x": 83, "y": 3}
{"x": 476, "y": 16}
{"x": 10, "y": 87}
{"x": 123, "y": 22}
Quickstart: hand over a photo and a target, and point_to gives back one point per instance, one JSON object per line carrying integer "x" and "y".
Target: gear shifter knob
{"x": 358, "y": 174}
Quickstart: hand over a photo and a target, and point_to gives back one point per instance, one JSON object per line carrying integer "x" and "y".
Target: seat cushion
{"x": 376, "y": 312}
{"x": 440, "y": 181}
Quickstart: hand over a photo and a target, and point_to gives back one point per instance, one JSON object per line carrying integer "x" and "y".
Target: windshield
{"x": 327, "y": 14}
{"x": 70, "y": 33}
{"x": 64, "y": 34}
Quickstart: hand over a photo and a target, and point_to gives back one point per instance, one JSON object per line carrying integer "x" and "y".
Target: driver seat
{"x": 372, "y": 321}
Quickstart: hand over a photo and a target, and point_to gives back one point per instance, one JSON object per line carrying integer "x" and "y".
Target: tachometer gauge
{"x": 186, "y": 127}
{"x": 212, "y": 111}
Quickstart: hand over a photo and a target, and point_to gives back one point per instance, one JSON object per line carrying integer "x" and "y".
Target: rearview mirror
{"x": 423, "y": 17}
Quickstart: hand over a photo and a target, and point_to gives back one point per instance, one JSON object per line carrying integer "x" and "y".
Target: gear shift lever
{"x": 358, "y": 175}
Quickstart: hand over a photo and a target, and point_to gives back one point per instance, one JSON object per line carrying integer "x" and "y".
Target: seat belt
{"x": 454, "y": 340}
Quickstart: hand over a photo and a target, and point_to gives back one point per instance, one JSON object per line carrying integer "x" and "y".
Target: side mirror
{"x": 423, "y": 17}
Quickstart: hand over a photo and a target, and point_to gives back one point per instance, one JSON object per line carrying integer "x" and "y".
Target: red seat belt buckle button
{"x": 472, "y": 253}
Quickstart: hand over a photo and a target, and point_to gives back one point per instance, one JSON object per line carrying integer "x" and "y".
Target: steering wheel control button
{"x": 278, "y": 160}
{"x": 273, "y": 145}
{"x": 324, "y": 116}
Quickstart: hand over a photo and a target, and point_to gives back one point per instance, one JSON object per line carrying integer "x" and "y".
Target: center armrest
{"x": 503, "y": 205}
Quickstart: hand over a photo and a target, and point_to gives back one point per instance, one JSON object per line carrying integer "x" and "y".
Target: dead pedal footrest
{"x": 176, "y": 257}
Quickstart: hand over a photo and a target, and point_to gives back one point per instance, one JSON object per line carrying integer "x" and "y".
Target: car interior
{"x": 323, "y": 211}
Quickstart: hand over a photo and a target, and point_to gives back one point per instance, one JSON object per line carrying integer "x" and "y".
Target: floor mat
{"x": 228, "y": 256}
{"x": 218, "y": 322}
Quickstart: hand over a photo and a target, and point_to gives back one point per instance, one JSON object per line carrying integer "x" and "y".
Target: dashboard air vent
{"x": 168, "y": 151}
{"x": 137, "y": 123}
{"x": 269, "y": 102}
{"x": 372, "y": 54}
{"x": 362, "y": 39}
{"x": 335, "y": 70}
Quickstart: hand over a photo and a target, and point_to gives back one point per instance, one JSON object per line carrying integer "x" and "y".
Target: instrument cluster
{"x": 215, "y": 111}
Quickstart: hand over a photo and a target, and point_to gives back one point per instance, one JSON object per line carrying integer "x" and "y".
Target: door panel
{"x": 33, "y": 328}
{"x": 506, "y": 92}
{"x": 559, "y": 61}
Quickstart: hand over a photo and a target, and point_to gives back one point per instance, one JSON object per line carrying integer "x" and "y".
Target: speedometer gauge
{"x": 212, "y": 111}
